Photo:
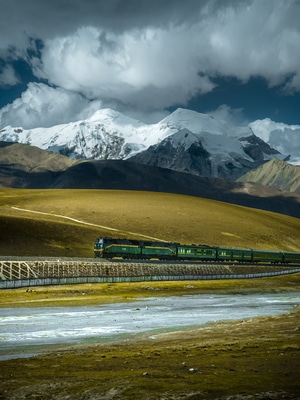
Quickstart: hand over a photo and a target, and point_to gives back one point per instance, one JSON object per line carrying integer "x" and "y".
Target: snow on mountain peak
{"x": 200, "y": 123}
{"x": 111, "y": 134}
{"x": 193, "y": 121}
{"x": 108, "y": 115}
{"x": 106, "y": 134}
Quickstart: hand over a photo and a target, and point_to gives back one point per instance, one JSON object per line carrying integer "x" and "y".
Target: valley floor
{"x": 254, "y": 358}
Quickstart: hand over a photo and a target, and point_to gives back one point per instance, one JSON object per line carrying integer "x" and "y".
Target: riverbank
{"x": 103, "y": 293}
{"x": 255, "y": 358}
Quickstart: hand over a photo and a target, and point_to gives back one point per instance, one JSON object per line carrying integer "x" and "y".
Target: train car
{"x": 140, "y": 249}
{"x": 160, "y": 250}
{"x": 267, "y": 256}
{"x": 194, "y": 252}
{"x": 291, "y": 257}
{"x": 231, "y": 254}
{"x": 109, "y": 248}
{"x": 125, "y": 248}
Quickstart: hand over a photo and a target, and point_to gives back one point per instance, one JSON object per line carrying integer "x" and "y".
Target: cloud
{"x": 22, "y": 20}
{"x": 233, "y": 116}
{"x": 8, "y": 77}
{"x": 282, "y": 137}
{"x": 150, "y": 55}
{"x": 286, "y": 141}
{"x": 44, "y": 106}
{"x": 260, "y": 39}
{"x": 133, "y": 67}
{"x": 159, "y": 66}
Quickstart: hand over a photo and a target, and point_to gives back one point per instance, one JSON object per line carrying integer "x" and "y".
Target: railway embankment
{"x": 28, "y": 272}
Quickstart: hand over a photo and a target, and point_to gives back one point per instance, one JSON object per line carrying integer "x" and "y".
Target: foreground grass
{"x": 247, "y": 359}
{"x": 258, "y": 358}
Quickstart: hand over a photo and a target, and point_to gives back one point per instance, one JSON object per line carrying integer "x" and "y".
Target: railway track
{"x": 133, "y": 261}
{"x": 18, "y": 268}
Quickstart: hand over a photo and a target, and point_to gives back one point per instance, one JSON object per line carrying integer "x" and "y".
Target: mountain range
{"x": 185, "y": 153}
{"x": 184, "y": 141}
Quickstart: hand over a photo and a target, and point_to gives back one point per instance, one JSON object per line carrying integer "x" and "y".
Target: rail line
{"x": 26, "y": 271}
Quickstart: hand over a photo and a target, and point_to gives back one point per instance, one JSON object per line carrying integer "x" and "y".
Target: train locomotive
{"x": 145, "y": 250}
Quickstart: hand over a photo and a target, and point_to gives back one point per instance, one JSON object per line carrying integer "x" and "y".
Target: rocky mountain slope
{"x": 207, "y": 154}
{"x": 24, "y": 166}
{"x": 184, "y": 141}
{"x": 277, "y": 174}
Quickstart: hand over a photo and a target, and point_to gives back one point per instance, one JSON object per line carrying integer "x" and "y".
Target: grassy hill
{"x": 28, "y": 167}
{"x": 66, "y": 222}
{"x": 20, "y": 163}
{"x": 277, "y": 174}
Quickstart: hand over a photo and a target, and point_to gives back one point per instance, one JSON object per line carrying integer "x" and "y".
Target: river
{"x": 24, "y": 331}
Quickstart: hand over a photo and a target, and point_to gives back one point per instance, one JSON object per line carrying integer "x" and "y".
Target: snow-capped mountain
{"x": 106, "y": 135}
{"x": 185, "y": 141}
{"x": 207, "y": 154}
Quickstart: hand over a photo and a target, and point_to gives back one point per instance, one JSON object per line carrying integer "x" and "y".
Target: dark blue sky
{"x": 23, "y": 71}
{"x": 255, "y": 99}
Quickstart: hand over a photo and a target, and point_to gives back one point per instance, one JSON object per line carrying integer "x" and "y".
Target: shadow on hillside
{"x": 124, "y": 175}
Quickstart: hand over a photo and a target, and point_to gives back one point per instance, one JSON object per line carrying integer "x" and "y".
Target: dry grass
{"x": 132, "y": 214}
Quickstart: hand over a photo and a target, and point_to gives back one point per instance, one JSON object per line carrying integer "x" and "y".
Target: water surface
{"x": 22, "y": 328}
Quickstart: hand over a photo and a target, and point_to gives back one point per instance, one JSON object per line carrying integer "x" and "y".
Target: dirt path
{"x": 84, "y": 222}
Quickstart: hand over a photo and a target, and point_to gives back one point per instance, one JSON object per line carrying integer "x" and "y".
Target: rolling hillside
{"x": 24, "y": 166}
{"x": 66, "y": 222}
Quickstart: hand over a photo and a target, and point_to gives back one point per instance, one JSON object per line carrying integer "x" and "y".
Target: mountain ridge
{"x": 277, "y": 174}
{"x": 228, "y": 151}
{"x": 21, "y": 163}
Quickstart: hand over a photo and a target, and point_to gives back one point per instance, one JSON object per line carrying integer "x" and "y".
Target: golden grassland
{"x": 240, "y": 360}
{"x": 169, "y": 217}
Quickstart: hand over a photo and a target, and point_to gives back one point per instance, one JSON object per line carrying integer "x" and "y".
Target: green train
{"x": 140, "y": 249}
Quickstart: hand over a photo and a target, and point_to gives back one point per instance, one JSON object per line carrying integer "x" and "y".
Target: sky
{"x": 61, "y": 60}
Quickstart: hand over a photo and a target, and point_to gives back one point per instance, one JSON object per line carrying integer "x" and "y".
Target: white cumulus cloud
{"x": 133, "y": 67}
{"x": 282, "y": 137}
{"x": 44, "y": 106}
{"x": 154, "y": 67}
{"x": 146, "y": 55}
